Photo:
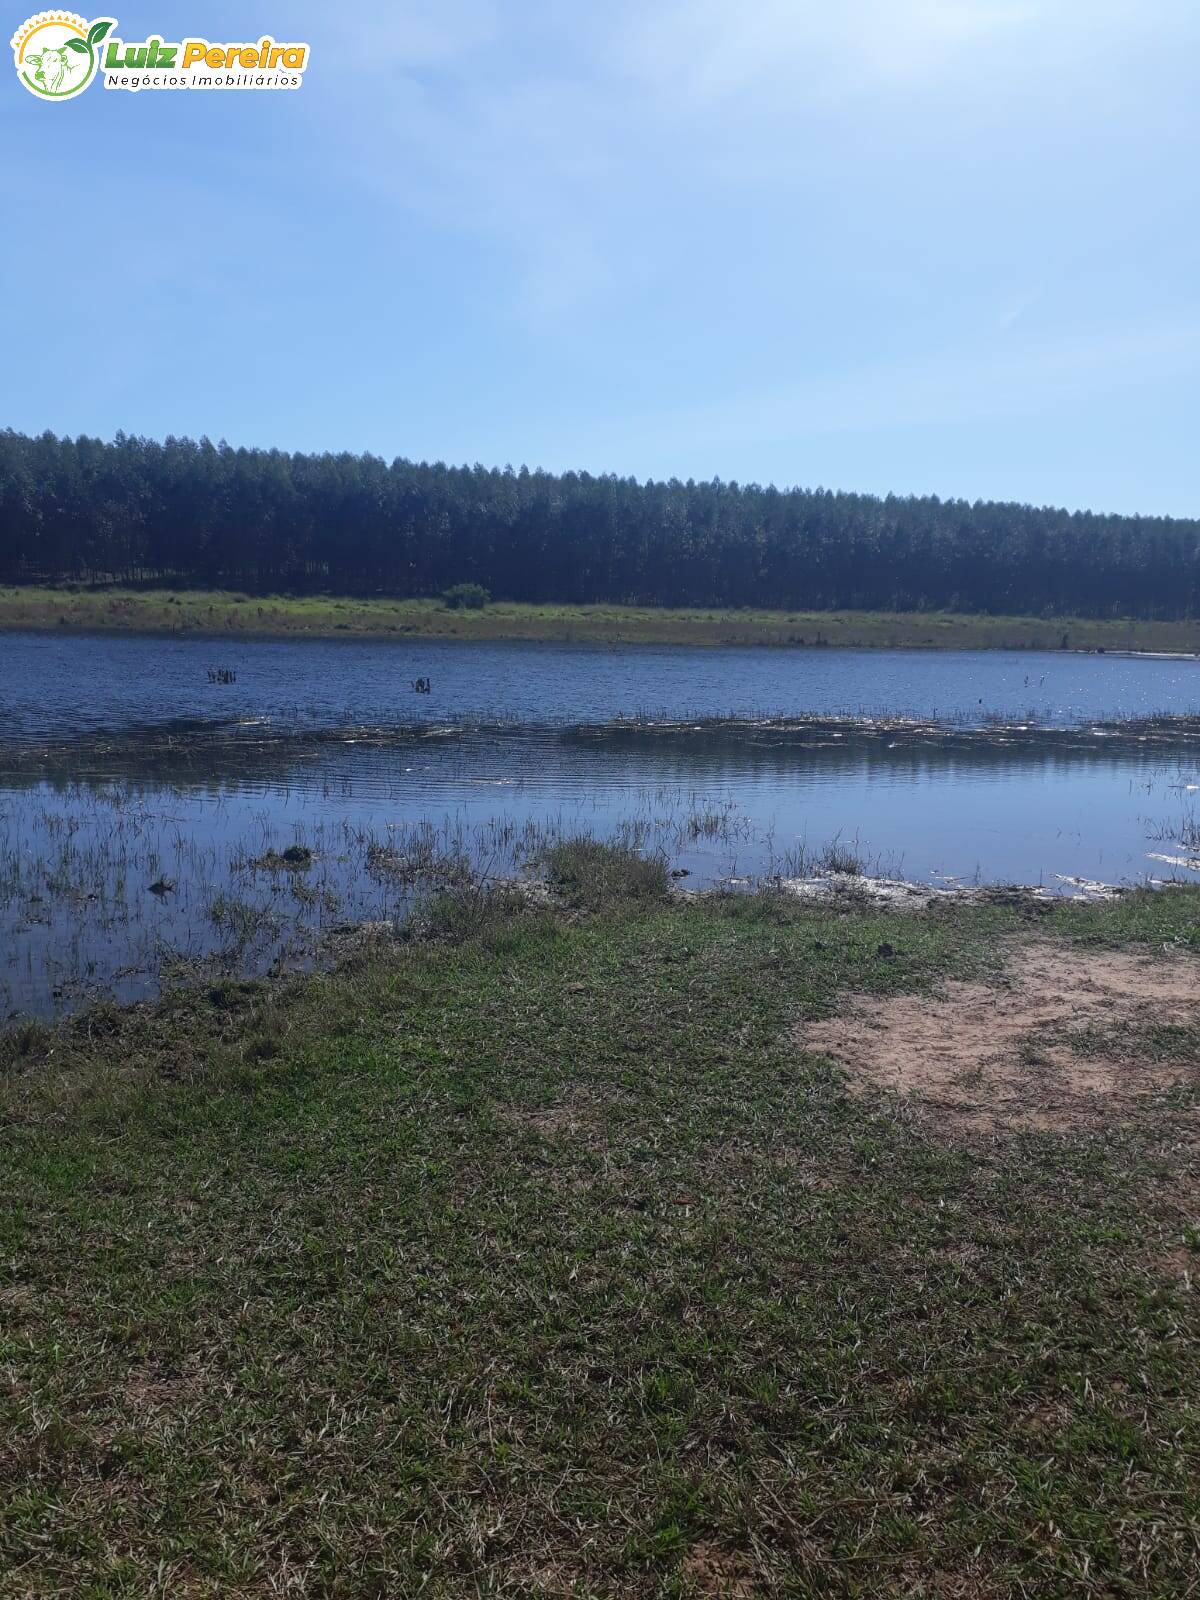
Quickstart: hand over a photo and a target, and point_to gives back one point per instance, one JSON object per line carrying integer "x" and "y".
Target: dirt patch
{"x": 986, "y": 1059}
{"x": 1180, "y": 1263}
{"x": 708, "y": 1570}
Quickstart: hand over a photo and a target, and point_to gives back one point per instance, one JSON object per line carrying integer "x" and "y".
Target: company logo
{"x": 57, "y": 54}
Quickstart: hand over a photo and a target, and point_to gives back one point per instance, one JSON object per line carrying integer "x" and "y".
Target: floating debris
{"x": 1089, "y": 888}
{"x": 901, "y": 894}
{"x": 1188, "y": 863}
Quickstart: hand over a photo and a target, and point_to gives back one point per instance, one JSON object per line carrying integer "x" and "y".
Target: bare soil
{"x": 980, "y": 1058}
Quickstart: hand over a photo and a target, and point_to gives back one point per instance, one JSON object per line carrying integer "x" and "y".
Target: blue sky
{"x": 946, "y": 246}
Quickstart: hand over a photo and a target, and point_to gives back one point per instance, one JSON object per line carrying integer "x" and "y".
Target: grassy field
{"x": 539, "y": 1258}
{"x": 198, "y": 612}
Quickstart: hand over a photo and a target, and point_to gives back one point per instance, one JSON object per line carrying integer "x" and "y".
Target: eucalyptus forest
{"x": 197, "y": 514}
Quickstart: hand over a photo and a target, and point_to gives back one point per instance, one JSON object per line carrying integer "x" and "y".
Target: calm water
{"x": 123, "y": 768}
{"x": 61, "y": 686}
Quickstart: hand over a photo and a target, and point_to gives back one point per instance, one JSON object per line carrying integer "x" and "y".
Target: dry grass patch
{"x": 582, "y": 1113}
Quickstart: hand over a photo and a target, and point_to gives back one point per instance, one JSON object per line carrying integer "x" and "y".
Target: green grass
{"x": 535, "y": 1259}
{"x": 200, "y": 612}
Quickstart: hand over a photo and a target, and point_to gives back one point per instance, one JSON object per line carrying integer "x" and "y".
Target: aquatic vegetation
{"x": 115, "y": 888}
{"x": 295, "y": 858}
{"x": 839, "y": 857}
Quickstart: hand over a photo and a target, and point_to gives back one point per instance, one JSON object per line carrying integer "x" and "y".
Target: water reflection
{"x": 121, "y": 856}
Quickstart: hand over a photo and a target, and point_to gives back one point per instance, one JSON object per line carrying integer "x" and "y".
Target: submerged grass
{"x": 223, "y": 612}
{"x": 536, "y": 1260}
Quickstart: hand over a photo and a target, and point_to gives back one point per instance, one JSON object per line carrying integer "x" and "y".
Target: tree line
{"x": 190, "y": 513}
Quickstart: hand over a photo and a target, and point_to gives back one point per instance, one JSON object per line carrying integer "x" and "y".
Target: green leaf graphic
{"x": 97, "y": 31}
{"x": 77, "y": 44}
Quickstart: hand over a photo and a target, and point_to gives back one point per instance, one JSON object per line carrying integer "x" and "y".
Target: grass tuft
{"x": 593, "y": 873}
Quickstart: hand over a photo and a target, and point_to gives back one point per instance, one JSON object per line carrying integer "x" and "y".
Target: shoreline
{"x": 839, "y": 891}
{"x": 203, "y": 614}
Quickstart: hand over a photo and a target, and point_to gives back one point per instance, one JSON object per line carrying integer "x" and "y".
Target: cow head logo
{"x": 57, "y": 54}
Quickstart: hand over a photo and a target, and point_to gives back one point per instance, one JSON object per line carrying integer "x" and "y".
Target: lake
{"x": 144, "y": 808}
{"x": 65, "y": 685}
